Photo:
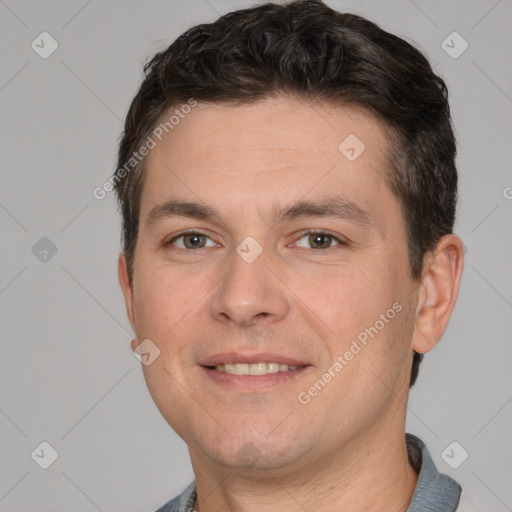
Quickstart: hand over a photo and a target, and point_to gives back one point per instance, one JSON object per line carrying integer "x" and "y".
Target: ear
{"x": 127, "y": 287}
{"x": 438, "y": 291}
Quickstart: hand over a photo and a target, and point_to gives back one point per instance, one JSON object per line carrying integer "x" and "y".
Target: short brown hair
{"x": 306, "y": 49}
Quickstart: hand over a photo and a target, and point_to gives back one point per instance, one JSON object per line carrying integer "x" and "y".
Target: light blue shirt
{"x": 435, "y": 492}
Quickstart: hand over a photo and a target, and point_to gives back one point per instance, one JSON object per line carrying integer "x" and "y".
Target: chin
{"x": 251, "y": 447}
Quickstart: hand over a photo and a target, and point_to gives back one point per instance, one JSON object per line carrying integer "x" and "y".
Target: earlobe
{"x": 126, "y": 287}
{"x": 438, "y": 292}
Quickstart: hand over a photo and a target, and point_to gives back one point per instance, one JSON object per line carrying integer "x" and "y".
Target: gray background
{"x": 67, "y": 374}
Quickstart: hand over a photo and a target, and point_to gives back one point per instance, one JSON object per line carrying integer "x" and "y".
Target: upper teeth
{"x": 254, "y": 369}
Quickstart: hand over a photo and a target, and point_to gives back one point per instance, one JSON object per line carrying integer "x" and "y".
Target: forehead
{"x": 273, "y": 151}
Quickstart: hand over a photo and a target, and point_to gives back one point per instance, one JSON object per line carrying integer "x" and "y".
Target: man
{"x": 287, "y": 182}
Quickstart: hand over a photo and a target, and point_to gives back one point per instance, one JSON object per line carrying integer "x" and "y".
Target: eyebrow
{"x": 338, "y": 207}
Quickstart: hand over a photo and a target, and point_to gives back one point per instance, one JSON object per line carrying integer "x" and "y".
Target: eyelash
{"x": 339, "y": 241}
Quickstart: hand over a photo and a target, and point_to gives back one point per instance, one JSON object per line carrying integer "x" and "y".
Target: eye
{"x": 318, "y": 240}
{"x": 191, "y": 240}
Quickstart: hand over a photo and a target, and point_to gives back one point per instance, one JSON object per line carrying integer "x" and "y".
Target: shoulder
{"x": 183, "y": 502}
{"x": 434, "y": 490}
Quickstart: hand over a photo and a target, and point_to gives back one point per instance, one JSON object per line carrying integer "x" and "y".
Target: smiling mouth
{"x": 262, "y": 368}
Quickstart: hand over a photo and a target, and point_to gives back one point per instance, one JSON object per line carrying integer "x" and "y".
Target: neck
{"x": 373, "y": 473}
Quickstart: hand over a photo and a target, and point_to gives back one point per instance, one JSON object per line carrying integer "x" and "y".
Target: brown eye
{"x": 194, "y": 241}
{"x": 191, "y": 241}
{"x": 318, "y": 241}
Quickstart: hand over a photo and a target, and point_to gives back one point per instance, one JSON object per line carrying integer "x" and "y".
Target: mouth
{"x": 261, "y": 368}
{"x": 253, "y": 372}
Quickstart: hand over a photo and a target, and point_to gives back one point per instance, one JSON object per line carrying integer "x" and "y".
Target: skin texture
{"x": 346, "y": 447}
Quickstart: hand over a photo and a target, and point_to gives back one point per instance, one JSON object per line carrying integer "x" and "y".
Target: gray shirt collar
{"x": 435, "y": 492}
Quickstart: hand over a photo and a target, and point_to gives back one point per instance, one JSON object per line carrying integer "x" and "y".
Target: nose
{"x": 250, "y": 293}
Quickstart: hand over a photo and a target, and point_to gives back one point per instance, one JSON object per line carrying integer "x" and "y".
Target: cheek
{"x": 171, "y": 310}
{"x": 160, "y": 301}
{"x": 348, "y": 299}
{"x": 367, "y": 320}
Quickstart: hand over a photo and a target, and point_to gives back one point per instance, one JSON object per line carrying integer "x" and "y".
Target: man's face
{"x": 328, "y": 270}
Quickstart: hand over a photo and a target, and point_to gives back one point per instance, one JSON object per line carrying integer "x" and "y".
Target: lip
{"x": 245, "y": 358}
{"x": 253, "y": 383}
